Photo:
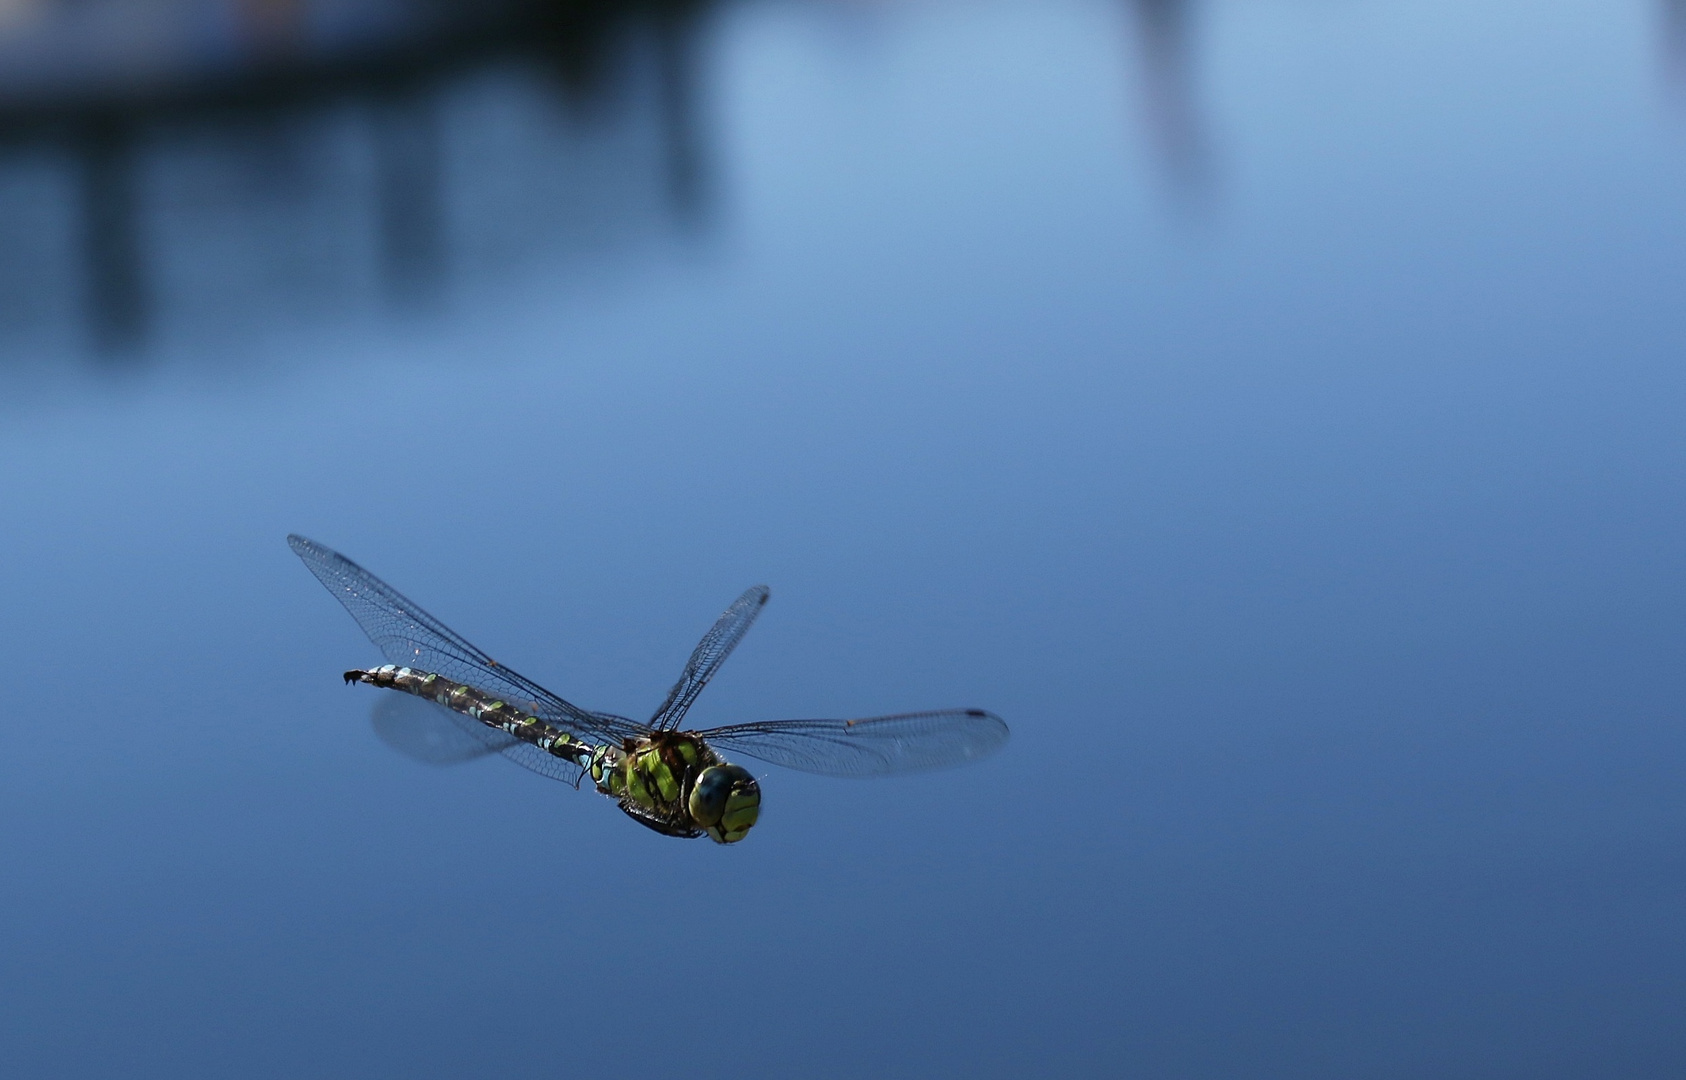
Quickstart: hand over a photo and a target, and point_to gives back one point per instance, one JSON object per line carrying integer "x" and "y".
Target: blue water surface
{"x": 1273, "y": 410}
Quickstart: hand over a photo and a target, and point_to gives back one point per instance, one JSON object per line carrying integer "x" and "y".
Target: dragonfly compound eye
{"x": 726, "y": 800}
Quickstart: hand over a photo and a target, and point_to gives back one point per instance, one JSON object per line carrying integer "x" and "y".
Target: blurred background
{"x": 1272, "y": 409}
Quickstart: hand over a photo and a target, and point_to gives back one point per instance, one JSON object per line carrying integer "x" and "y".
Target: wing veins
{"x": 879, "y": 745}
{"x": 407, "y": 635}
{"x": 709, "y": 654}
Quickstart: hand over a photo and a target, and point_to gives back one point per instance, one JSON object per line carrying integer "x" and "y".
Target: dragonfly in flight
{"x": 675, "y": 782}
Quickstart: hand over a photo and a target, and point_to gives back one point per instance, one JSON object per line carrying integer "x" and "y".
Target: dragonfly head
{"x": 726, "y": 800}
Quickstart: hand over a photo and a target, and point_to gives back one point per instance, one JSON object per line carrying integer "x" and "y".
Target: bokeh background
{"x": 1273, "y": 409}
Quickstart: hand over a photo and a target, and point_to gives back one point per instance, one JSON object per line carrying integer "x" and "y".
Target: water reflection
{"x": 173, "y": 166}
{"x": 1671, "y": 35}
{"x": 1176, "y": 130}
{"x": 117, "y": 302}
{"x": 233, "y": 165}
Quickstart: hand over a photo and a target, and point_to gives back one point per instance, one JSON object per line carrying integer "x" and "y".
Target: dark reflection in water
{"x": 407, "y": 144}
{"x": 1164, "y": 33}
{"x": 297, "y": 161}
{"x": 117, "y": 301}
{"x": 1671, "y": 34}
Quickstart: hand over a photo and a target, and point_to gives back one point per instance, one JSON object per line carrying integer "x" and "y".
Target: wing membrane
{"x": 877, "y": 746}
{"x": 706, "y": 658}
{"x": 430, "y": 733}
{"x": 409, "y": 636}
{"x": 435, "y": 735}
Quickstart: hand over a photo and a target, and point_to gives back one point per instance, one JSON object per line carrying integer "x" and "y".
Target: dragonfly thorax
{"x": 677, "y": 785}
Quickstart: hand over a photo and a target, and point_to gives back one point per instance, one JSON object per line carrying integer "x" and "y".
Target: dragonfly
{"x": 676, "y": 782}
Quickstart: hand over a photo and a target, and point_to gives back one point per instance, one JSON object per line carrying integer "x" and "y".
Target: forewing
{"x": 411, "y": 637}
{"x": 431, "y": 733}
{"x": 705, "y": 660}
{"x": 877, "y": 746}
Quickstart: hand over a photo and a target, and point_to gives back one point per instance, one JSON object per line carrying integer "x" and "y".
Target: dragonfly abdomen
{"x": 465, "y": 699}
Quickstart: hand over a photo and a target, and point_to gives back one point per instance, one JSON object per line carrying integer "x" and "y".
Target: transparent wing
{"x": 878, "y": 746}
{"x": 531, "y": 757}
{"x": 409, "y": 636}
{"x": 429, "y": 732}
{"x": 435, "y": 735}
{"x": 705, "y": 660}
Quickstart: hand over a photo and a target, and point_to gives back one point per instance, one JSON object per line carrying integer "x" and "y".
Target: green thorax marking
{"x": 652, "y": 778}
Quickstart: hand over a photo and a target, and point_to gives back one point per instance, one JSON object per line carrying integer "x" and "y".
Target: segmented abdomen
{"x": 465, "y": 699}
